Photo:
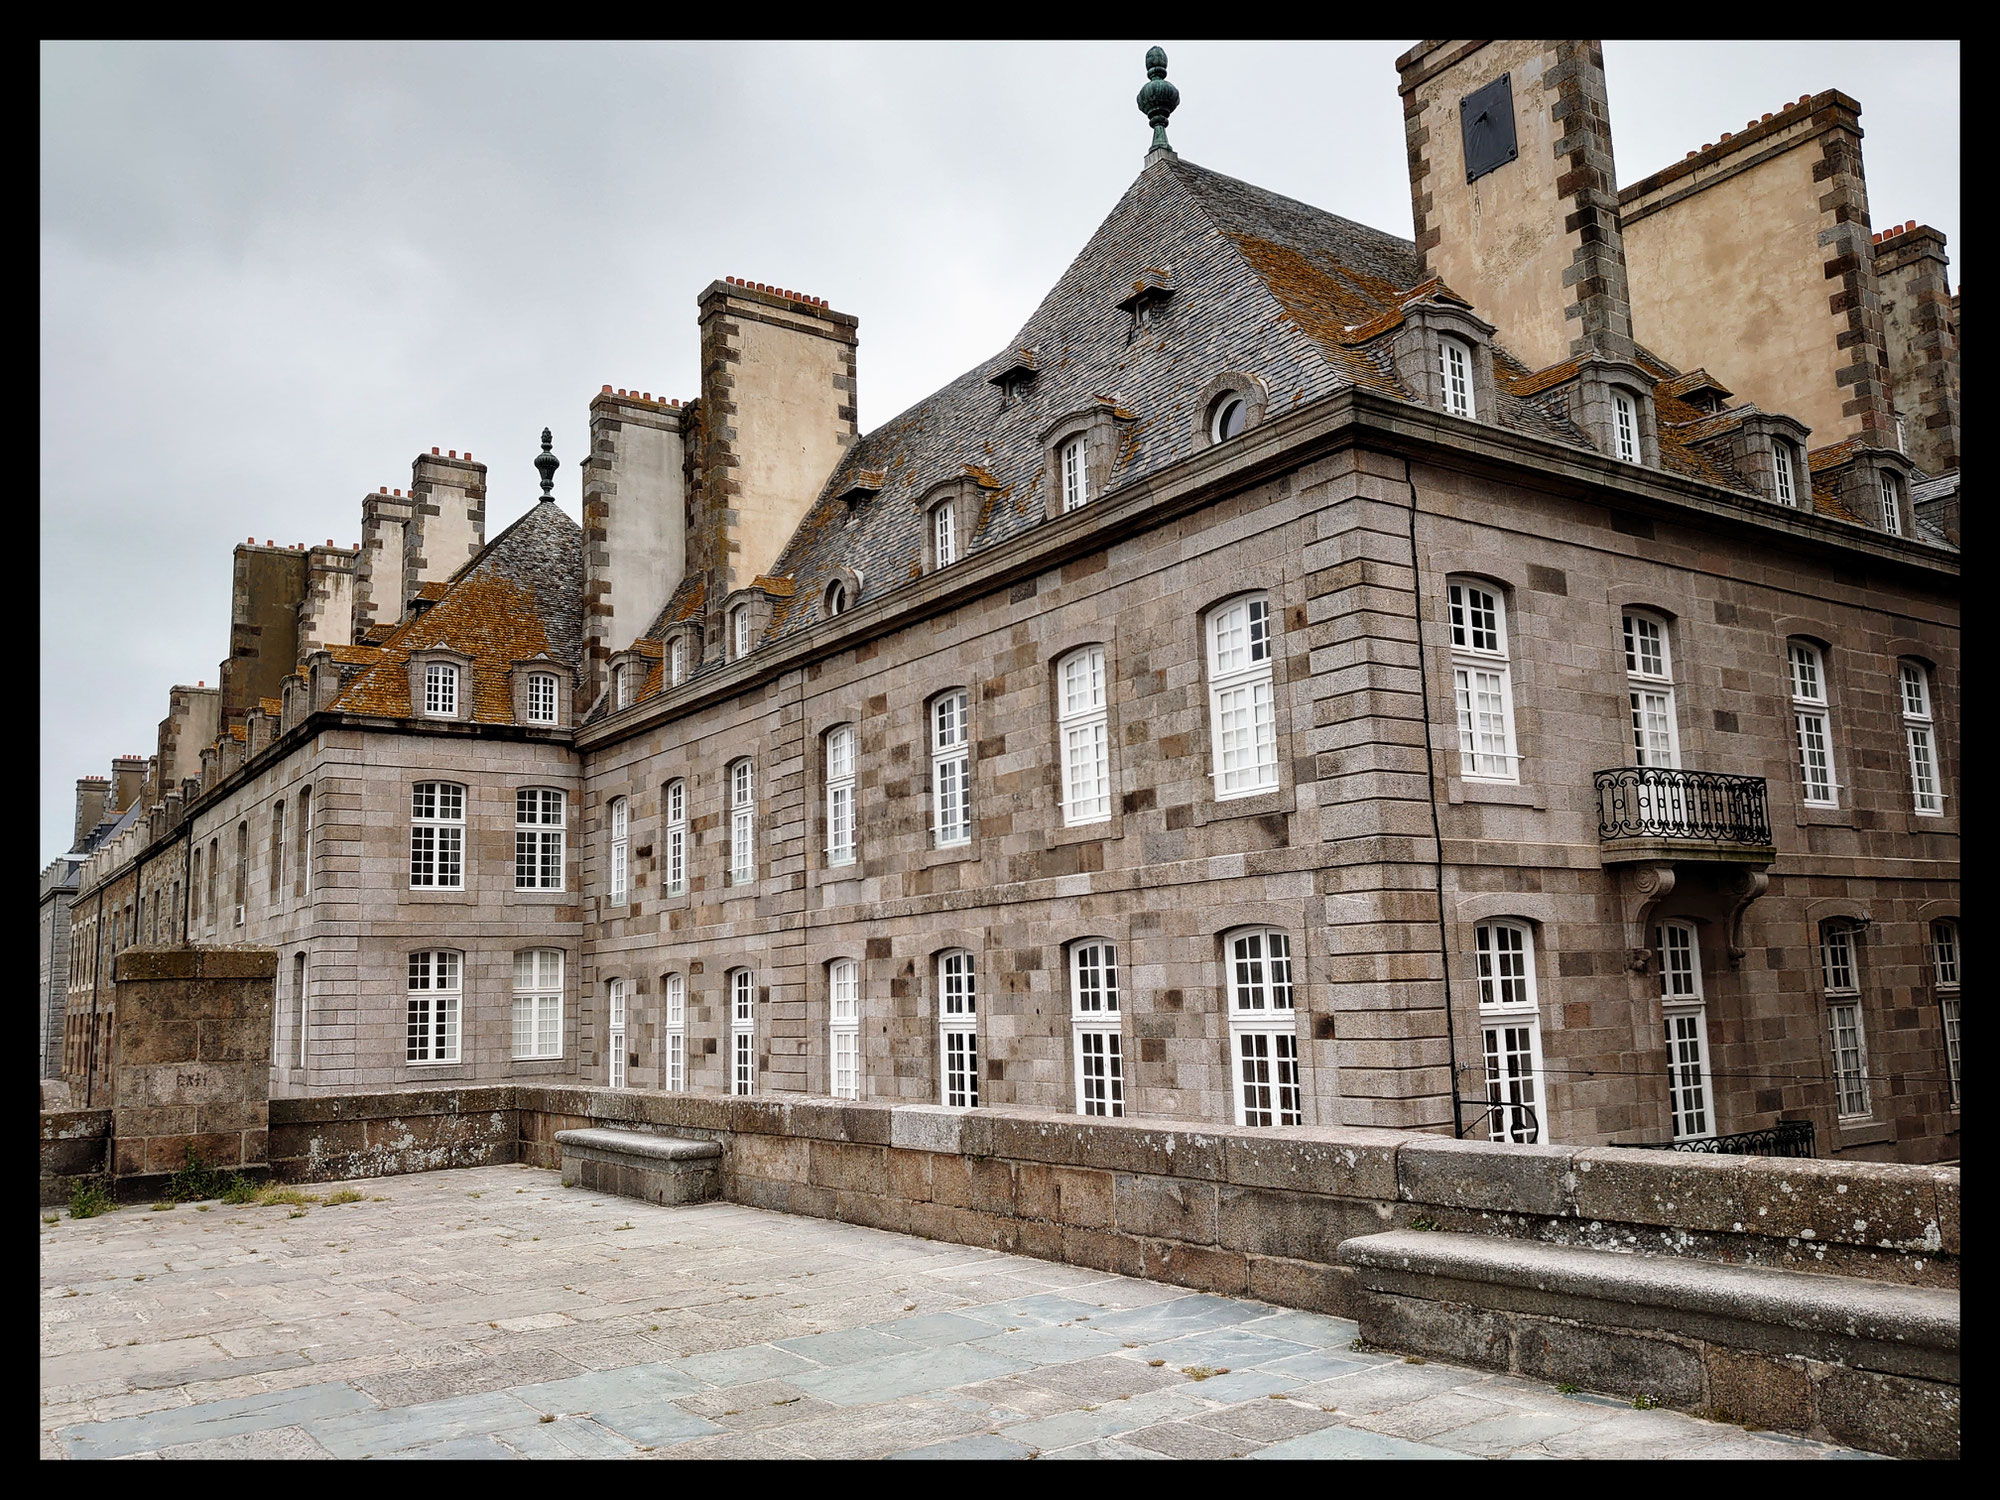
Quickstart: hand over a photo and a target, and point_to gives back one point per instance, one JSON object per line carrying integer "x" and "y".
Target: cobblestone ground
{"x": 493, "y": 1313}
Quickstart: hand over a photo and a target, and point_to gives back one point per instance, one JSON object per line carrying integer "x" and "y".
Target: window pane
{"x": 1510, "y": 1083}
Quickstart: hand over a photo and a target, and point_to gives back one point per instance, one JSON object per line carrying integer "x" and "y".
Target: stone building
{"x": 1307, "y": 676}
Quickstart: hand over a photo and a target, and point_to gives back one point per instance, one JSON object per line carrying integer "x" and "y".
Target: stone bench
{"x": 1862, "y": 1362}
{"x": 661, "y": 1169}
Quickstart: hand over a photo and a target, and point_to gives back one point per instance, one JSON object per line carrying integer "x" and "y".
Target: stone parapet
{"x": 76, "y": 1144}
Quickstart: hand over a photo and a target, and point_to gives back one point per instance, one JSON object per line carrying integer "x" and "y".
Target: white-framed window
{"x": 674, "y": 988}
{"x": 1075, "y": 477}
{"x": 951, "y": 768}
{"x": 1455, "y": 370}
{"x": 843, "y": 984}
{"x": 1892, "y": 511}
{"x": 677, "y": 661}
{"x": 742, "y": 1032}
{"x": 538, "y": 1002}
{"x": 1683, "y": 1009}
{"x": 538, "y": 839}
{"x": 1263, "y": 1029}
{"x": 1242, "y": 699}
{"x": 621, "y": 844}
{"x": 1481, "y": 682}
{"x": 277, "y": 871}
{"x": 441, "y": 690}
{"x": 541, "y": 697}
{"x": 1085, "y": 733}
{"x": 1098, "y": 1046}
{"x": 676, "y": 830}
{"x": 1812, "y": 724}
{"x": 1510, "y": 1031}
{"x": 742, "y": 822}
{"x": 1231, "y": 416}
{"x": 1625, "y": 428}
{"x": 1920, "y": 738}
{"x": 436, "y": 987}
{"x": 302, "y": 999}
{"x": 739, "y": 632}
{"x": 836, "y": 598}
{"x": 1650, "y": 692}
{"x": 614, "y": 1042}
{"x": 1781, "y": 456}
{"x": 1842, "y": 977}
{"x": 437, "y": 838}
{"x": 1944, "y": 966}
{"x": 840, "y": 795}
{"x": 944, "y": 534}
{"x": 958, "y": 1030}
{"x": 1902, "y": 434}
{"x": 621, "y": 686}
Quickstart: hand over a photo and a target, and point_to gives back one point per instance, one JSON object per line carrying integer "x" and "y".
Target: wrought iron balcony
{"x": 1786, "y": 1138}
{"x": 1653, "y": 812}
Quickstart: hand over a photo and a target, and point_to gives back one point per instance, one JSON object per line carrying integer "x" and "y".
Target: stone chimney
{"x": 1912, "y": 278}
{"x": 447, "y": 518}
{"x": 192, "y": 721}
{"x": 1515, "y": 193}
{"x": 93, "y": 801}
{"x": 326, "y": 614}
{"x": 128, "y": 781}
{"x": 379, "y": 570}
{"x": 777, "y": 413}
{"x": 269, "y": 586}
{"x": 634, "y": 523}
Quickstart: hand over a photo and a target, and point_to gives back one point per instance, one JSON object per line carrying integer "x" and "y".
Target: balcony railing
{"x": 1786, "y": 1138}
{"x": 1654, "y": 802}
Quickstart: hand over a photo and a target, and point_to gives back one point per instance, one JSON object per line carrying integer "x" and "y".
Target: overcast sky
{"x": 272, "y": 274}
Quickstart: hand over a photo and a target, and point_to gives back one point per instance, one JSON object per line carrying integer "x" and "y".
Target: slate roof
{"x": 521, "y": 597}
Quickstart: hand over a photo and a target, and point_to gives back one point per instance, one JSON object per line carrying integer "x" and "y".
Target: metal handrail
{"x": 1484, "y": 1107}
{"x": 1659, "y": 802}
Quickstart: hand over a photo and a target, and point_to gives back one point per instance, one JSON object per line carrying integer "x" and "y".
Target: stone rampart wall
{"x": 76, "y": 1143}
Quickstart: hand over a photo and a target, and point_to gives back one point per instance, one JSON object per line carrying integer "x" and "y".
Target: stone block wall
{"x": 191, "y": 1060}
{"x": 76, "y": 1144}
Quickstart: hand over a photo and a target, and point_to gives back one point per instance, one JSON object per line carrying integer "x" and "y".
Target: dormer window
{"x": 677, "y": 661}
{"x": 1075, "y": 478}
{"x": 621, "y": 686}
{"x": 441, "y": 690}
{"x": 1892, "y": 509}
{"x": 1148, "y": 302}
{"x": 1015, "y": 391}
{"x": 944, "y": 534}
{"x": 1232, "y": 415}
{"x": 1625, "y": 431}
{"x": 1787, "y": 488}
{"x": 739, "y": 632}
{"x": 1455, "y": 374}
{"x": 836, "y": 598}
{"x": 541, "y": 698}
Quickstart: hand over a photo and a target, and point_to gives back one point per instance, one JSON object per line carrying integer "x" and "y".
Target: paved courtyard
{"x": 493, "y": 1313}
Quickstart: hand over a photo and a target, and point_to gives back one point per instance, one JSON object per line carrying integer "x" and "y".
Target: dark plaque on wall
{"x": 1486, "y": 125}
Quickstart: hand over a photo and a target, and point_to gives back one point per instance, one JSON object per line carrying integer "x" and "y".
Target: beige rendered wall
{"x": 789, "y": 435}
{"x": 1760, "y": 322}
{"x": 1503, "y": 244}
{"x": 647, "y": 534}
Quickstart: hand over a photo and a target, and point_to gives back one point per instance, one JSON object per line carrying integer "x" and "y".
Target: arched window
{"x": 739, "y": 632}
{"x": 1481, "y": 681}
{"x": 621, "y": 685}
{"x": 302, "y": 882}
{"x": 1230, "y": 416}
{"x": 1944, "y": 968}
{"x": 836, "y": 598}
{"x": 1455, "y": 372}
{"x": 843, "y": 983}
{"x": 1242, "y": 701}
{"x": 944, "y": 534}
{"x": 214, "y": 861}
{"x": 677, "y": 661}
{"x": 1075, "y": 476}
{"x": 437, "y": 836}
{"x": 435, "y": 990}
{"x": 1650, "y": 691}
{"x": 1841, "y": 974}
{"x": 675, "y": 818}
{"x": 1781, "y": 457}
{"x": 1682, "y": 1006}
{"x": 1263, "y": 1031}
{"x": 538, "y": 1002}
{"x": 541, "y": 698}
{"x": 1099, "y": 1042}
{"x": 194, "y": 889}
{"x": 538, "y": 839}
{"x": 742, "y": 822}
{"x": 1083, "y": 727}
{"x": 951, "y": 769}
{"x": 620, "y": 845}
{"x": 242, "y": 873}
{"x": 1811, "y": 722}
{"x": 1511, "y": 1032}
{"x": 1625, "y": 428}
{"x": 441, "y": 690}
{"x": 275, "y": 876}
{"x": 840, "y": 795}
{"x": 958, "y": 1030}
{"x": 742, "y": 1032}
{"x": 301, "y": 1001}
{"x": 674, "y": 986}
{"x": 1919, "y": 737}
{"x": 614, "y": 1044}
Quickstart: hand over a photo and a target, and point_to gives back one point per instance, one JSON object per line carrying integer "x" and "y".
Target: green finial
{"x": 1158, "y": 99}
{"x": 548, "y": 463}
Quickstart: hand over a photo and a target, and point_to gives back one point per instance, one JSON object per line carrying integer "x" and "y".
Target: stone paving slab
{"x": 492, "y": 1313}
